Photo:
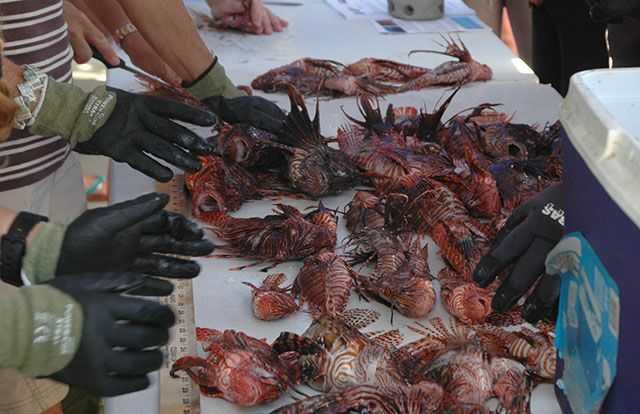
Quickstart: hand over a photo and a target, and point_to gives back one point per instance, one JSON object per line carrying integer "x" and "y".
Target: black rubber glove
{"x": 129, "y": 236}
{"x": 252, "y": 110}
{"x": 531, "y": 232}
{"x": 112, "y": 358}
{"x": 139, "y": 126}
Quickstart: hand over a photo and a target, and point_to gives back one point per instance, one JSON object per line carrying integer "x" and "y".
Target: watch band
{"x": 122, "y": 32}
{"x": 13, "y": 246}
{"x": 32, "y": 90}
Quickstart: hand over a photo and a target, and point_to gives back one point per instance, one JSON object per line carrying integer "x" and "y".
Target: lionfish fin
{"x": 300, "y": 130}
{"x": 217, "y": 219}
{"x": 390, "y": 116}
{"x": 431, "y": 122}
{"x": 274, "y": 281}
{"x": 252, "y": 286}
{"x": 437, "y": 330}
{"x": 349, "y": 140}
{"x": 359, "y": 318}
{"x": 391, "y": 339}
{"x": 206, "y": 334}
{"x": 289, "y": 341}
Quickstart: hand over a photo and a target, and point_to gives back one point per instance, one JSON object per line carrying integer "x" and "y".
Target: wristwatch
{"x": 13, "y": 246}
{"x": 122, "y": 32}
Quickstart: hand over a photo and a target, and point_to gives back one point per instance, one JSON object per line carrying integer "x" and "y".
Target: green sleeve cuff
{"x": 42, "y": 329}
{"x": 41, "y": 258}
{"x": 73, "y": 114}
{"x": 214, "y": 83}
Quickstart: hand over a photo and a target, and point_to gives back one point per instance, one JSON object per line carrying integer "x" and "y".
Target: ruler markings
{"x": 179, "y": 395}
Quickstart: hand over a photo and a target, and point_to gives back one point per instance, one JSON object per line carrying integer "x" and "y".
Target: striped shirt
{"x": 35, "y": 33}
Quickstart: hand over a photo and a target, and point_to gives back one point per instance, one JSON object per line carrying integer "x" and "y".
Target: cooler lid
{"x": 601, "y": 115}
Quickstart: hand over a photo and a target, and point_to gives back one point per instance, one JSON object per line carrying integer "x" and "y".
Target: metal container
{"x": 416, "y": 9}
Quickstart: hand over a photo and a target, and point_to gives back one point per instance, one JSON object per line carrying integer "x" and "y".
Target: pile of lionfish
{"x": 455, "y": 180}
{"x": 451, "y": 368}
{"x": 320, "y": 77}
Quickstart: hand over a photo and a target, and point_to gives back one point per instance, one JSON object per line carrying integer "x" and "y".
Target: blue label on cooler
{"x": 588, "y": 325}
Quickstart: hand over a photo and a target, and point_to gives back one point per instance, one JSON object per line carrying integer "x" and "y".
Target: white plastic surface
{"x": 601, "y": 115}
{"x": 223, "y": 302}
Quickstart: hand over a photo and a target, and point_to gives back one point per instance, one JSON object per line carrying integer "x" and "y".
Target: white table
{"x": 317, "y": 31}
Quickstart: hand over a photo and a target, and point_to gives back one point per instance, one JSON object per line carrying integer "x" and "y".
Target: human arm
{"x": 72, "y": 330}
{"x": 128, "y": 236}
{"x": 178, "y": 43}
{"x": 123, "y": 126}
{"x": 181, "y": 46}
{"x": 113, "y": 18}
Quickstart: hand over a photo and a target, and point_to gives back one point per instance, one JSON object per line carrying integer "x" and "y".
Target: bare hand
{"x": 263, "y": 19}
{"x": 83, "y": 34}
{"x": 145, "y": 57}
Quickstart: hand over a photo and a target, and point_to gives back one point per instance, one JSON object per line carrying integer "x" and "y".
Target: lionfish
{"x": 401, "y": 277}
{"x": 469, "y": 367}
{"x": 271, "y": 301}
{"x": 314, "y": 168}
{"x": 238, "y": 368}
{"x": 284, "y": 236}
{"x": 219, "y": 186}
{"x": 422, "y": 398}
{"x": 325, "y": 283}
{"x": 335, "y": 355}
{"x": 465, "y": 70}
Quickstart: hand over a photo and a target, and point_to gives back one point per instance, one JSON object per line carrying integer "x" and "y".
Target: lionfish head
{"x": 342, "y": 173}
{"x": 236, "y": 145}
{"x": 325, "y": 171}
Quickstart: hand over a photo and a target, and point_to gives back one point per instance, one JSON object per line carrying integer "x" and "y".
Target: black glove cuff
{"x": 186, "y": 84}
{"x": 13, "y": 246}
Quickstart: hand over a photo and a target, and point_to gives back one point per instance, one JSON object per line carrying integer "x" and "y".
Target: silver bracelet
{"x": 32, "y": 91}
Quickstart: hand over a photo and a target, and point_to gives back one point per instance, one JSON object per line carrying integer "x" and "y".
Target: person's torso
{"x": 35, "y": 33}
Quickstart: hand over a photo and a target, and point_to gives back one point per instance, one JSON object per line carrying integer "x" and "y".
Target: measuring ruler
{"x": 179, "y": 395}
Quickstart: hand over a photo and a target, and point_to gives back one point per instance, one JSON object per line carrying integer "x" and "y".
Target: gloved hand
{"x": 140, "y": 125}
{"x": 111, "y": 357}
{"x": 125, "y": 236}
{"x": 80, "y": 330}
{"x": 253, "y": 110}
{"x": 124, "y": 126}
{"x": 217, "y": 91}
{"x": 530, "y": 233}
